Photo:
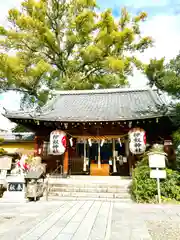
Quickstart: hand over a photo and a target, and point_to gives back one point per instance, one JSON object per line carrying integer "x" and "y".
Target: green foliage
{"x": 165, "y": 76}
{"x": 2, "y": 151}
{"x": 20, "y": 128}
{"x": 178, "y": 158}
{"x": 61, "y": 44}
{"x": 170, "y": 187}
{"x": 144, "y": 189}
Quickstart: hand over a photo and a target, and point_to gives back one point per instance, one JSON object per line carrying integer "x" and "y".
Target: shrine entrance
{"x": 104, "y": 161}
{"x": 100, "y": 158}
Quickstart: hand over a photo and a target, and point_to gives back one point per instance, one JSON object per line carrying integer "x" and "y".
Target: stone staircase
{"x": 90, "y": 187}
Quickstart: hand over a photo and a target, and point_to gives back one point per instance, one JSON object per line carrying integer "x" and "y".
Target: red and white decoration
{"x": 22, "y": 164}
{"x": 137, "y": 141}
{"x": 58, "y": 142}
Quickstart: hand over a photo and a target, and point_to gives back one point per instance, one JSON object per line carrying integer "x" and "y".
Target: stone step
{"x": 78, "y": 187}
{"x": 63, "y": 198}
{"x": 91, "y": 195}
{"x": 89, "y": 180}
{"x": 88, "y": 189}
{"x": 70, "y": 180}
{"x": 107, "y": 178}
{"x": 90, "y": 185}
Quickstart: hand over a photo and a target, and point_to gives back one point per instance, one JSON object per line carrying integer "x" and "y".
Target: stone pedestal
{"x": 16, "y": 190}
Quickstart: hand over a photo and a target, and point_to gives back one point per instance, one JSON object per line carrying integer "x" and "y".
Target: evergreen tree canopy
{"x": 60, "y": 44}
{"x": 166, "y": 77}
{"x": 20, "y": 128}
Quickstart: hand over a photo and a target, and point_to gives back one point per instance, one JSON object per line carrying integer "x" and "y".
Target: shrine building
{"x": 97, "y": 125}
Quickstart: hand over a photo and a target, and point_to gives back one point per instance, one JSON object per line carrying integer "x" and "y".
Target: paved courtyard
{"x": 88, "y": 220}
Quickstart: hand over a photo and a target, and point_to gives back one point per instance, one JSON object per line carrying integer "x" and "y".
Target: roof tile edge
{"x": 98, "y": 91}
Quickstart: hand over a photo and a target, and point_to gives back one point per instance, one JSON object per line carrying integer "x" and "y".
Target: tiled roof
{"x": 99, "y": 105}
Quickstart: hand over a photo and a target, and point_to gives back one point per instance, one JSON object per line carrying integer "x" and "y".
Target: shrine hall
{"x": 106, "y": 130}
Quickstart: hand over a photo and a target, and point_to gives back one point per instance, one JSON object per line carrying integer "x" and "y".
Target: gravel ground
{"x": 164, "y": 230}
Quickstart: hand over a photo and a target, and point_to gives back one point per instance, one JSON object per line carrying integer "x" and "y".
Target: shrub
{"x": 2, "y": 151}
{"x": 144, "y": 189}
{"x": 170, "y": 187}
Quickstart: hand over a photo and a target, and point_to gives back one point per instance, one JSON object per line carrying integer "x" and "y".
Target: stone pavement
{"x": 88, "y": 220}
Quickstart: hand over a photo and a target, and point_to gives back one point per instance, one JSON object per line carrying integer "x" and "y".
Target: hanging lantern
{"x": 137, "y": 140}
{"x": 57, "y": 142}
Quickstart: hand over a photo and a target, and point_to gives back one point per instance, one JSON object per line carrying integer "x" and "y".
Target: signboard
{"x": 57, "y": 142}
{"x": 137, "y": 141}
{"x": 158, "y": 174}
{"x": 5, "y": 162}
{"x": 15, "y": 187}
{"x": 157, "y": 160}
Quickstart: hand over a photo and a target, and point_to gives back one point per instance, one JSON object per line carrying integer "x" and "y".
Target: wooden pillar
{"x": 66, "y": 159}
{"x": 132, "y": 162}
{"x": 65, "y": 163}
{"x": 114, "y": 155}
{"x": 38, "y": 146}
{"x": 129, "y": 157}
{"x": 99, "y": 154}
{"x": 84, "y": 165}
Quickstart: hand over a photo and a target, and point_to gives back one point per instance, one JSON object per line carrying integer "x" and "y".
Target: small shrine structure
{"x": 97, "y": 125}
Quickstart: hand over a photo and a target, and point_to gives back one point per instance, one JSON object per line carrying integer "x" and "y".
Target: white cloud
{"x": 9, "y": 101}
{"x": 165, "y": 31}
{"x": 4, "y": 8}
{"x": 6, "y": 124}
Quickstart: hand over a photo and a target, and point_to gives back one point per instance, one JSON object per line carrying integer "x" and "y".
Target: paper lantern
{"x": 137, "y": 141}
{"x": 57, "y": 142}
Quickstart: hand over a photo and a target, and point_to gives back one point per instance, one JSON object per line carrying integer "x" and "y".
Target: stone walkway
{"x": 88, "y": 220}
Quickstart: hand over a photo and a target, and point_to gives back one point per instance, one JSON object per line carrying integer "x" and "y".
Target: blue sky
{"x": 153, "y": 7}
{"x": 162, "y": 24}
